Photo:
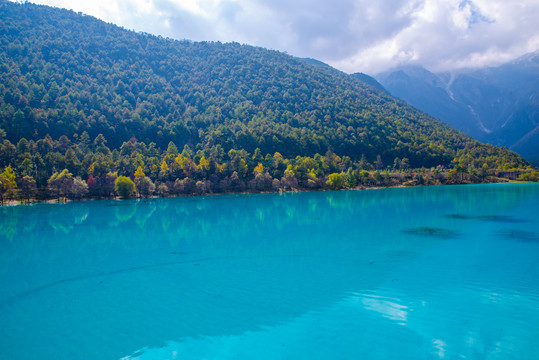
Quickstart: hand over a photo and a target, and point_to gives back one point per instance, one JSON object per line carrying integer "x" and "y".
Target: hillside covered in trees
{"x": 84, "y": 103}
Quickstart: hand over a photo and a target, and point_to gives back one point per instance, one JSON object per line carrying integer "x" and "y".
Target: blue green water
{"x": 416, "y": 273}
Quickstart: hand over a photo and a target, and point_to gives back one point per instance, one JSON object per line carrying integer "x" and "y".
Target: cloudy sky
{"x": 351, "y": 35}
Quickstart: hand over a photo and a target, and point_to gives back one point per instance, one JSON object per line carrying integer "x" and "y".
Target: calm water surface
{"x": 416, "y": 273}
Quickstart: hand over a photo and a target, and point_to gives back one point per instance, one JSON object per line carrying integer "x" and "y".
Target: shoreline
{"x": 10, "y": 203}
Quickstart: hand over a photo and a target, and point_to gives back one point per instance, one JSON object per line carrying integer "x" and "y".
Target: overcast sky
{"x": 367, "y": 36}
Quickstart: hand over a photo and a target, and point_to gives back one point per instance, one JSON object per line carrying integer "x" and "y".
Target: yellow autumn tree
{"x": 139, "y": 172}
{"x": 259, "y": 169}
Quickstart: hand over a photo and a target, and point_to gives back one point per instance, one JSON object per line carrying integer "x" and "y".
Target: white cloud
{"x": 454, "y": 34}
{"x": 353, "y": 35}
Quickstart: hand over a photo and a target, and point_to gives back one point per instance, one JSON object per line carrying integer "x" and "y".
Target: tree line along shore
{"x": 62, "y": 169}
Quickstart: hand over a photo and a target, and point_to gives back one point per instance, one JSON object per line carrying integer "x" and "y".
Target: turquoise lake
{"x": 449, "y": 272}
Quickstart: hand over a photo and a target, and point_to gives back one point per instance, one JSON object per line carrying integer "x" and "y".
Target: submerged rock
{"x": 494, "y": 218}
{"x": 519, "y": 235}
{"x": 430, "y": 231}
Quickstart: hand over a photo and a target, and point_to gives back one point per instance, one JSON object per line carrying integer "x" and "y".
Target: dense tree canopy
{"x": 100, "y": 101}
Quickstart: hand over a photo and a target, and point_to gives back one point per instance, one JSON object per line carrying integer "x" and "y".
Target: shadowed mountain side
{"x": 498, "y": 105}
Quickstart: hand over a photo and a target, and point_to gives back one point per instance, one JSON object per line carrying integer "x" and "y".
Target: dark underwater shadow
{"x": 516, "y": 234}
{"x": 427, "y": 231}
{"x": 491, "y": 218}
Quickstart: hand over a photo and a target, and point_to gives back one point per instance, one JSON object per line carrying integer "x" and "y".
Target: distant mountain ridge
{"x": 499, "y": 105}
{"x": 367, "y": 79}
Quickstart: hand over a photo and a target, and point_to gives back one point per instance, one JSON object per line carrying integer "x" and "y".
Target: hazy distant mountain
{"x": 369, "y": 80}
{"x": 364, "y": 78}
{"x": 499, "y": 105}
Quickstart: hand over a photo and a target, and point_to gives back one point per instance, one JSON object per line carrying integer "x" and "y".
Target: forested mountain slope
{"x": 95, "y": 98}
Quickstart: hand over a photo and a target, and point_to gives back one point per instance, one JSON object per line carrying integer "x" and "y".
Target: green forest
{"x": 88, "y": 109}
